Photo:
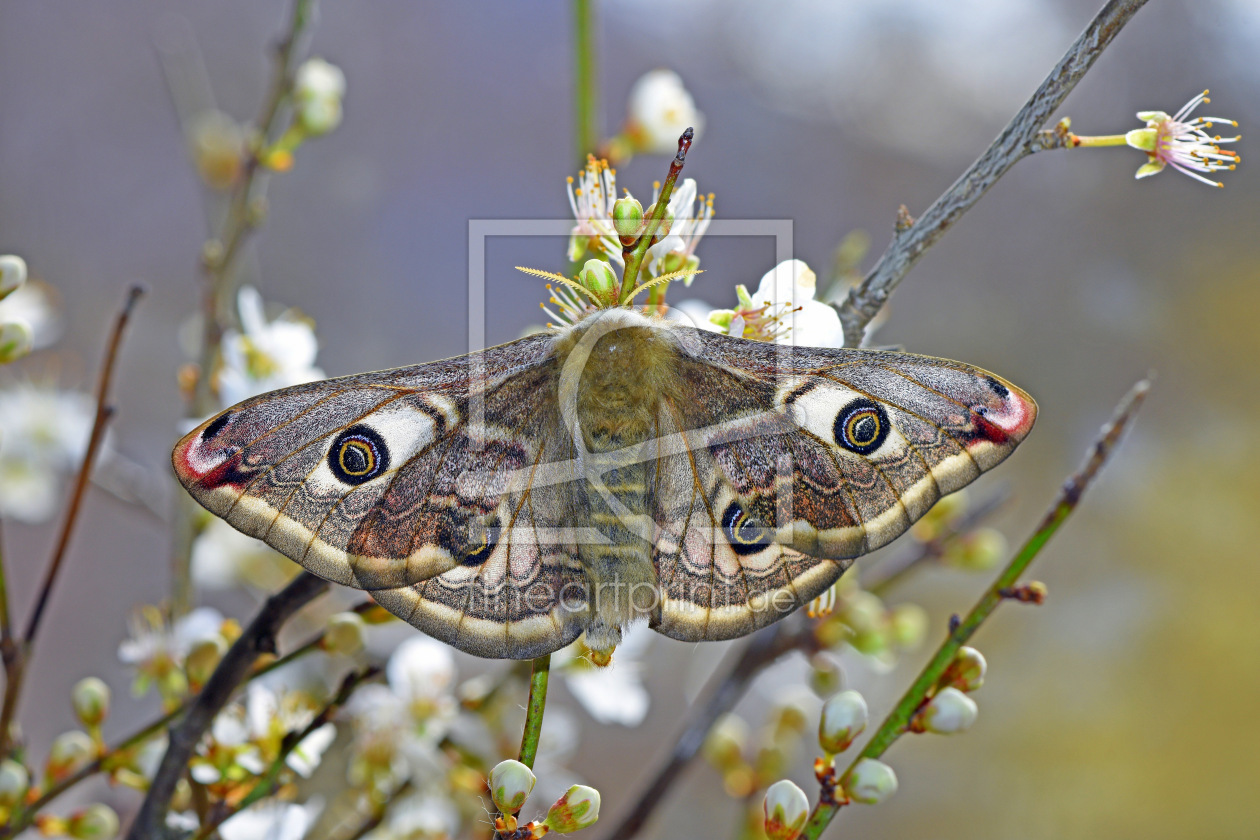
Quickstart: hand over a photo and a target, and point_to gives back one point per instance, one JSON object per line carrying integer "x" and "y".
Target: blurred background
{"x": 1124, "y": 707}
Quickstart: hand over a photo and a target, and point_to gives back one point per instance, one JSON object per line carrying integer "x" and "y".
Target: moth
{"x": 623, "y": 468}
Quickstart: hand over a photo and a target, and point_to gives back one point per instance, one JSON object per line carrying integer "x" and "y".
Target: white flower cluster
{"x": 43, "y": 436}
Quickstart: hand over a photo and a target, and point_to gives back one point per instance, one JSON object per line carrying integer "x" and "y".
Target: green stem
{"x": 534, "y": 714}
{"x": 633, "y": 255}
{"x": 585, "y": 82}
{"x": 898, "y": 721}
{"x": 1107, "y": 140}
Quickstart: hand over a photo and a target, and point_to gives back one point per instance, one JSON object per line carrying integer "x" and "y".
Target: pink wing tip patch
{"x": 1006, "y": 419}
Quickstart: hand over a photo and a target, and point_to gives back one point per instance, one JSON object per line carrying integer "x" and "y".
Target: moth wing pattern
{"x": 417, "y": 484}
{"x": 801, "y": 459}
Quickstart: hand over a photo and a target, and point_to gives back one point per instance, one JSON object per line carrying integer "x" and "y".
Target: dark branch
{"x": 793, "y": 633}
{"x": 1019, "y": 139}
{"x": 258, "y": 638}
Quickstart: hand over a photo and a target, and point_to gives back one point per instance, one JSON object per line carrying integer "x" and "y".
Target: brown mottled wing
{"x": 798, "y": 460}
{"x": 417, "y": 484}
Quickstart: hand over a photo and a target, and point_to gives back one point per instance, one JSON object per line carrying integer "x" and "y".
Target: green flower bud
{"x": 948, "y": 713}
{"x": 95, "y": 822}
{"x": 344, "y": 634}
{"x": 825, "y": 675}
{"x": 599, "y": 277}
{"x": 90, "y": 697}
{"x": 978, "y": 551}
{"x": 667, "y": 222}
{"x": 14, "y": 780}
{"x": 786, "y": 808}
{"x": 844, "y": 717}
{"x": 870, "y": 782}
{"x": 966, "y": 672}
{"x": 12, "y": 273}
{"x": 203, "y": 658}
{"x": 724, "y": 746}
{"x": 628, "y": 220}
{"x": 69, "y": 751}
{"x": 576, "y": 810}
{"x": 908, "y": 624}
{"x": 510, "y": 783}
{"x": 16, "y": 341}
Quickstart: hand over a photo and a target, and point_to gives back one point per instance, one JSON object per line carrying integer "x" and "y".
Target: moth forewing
{"x": 623, "y": 468}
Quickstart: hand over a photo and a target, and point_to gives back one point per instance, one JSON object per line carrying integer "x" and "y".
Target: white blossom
{"x": 1183, "y": 143}
{"x": 789, "y": 289}
{"x": 318, "y": 88}
{"x": 661, "y": 109}
{"x": 43, "y": 435}
{"x": 223, "y": 557}
{"x": 613, "y": 694}
{"x": 273, "y": 820}
{"x": 692, "y": 214}
{"x": 265, "y": 355}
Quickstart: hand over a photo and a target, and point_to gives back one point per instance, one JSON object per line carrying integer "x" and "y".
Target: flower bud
{"x": 628, "y": 219}
{"x": 203, "y": 658}
{"x": 217, "y": 144}
{"x": 599, "y": 277}
{"x": 12, "y": 273}
{"x": 667, "y": 222}
{"x": 966, "y": 672}
{"x": 95, "y": 822}
{"x": 908, "y": 624}
{"x": 69, "y": 751}
{"x": 318, "y": 88}
{"x": 577, "y": 809}
{"x": 724, "y": 745}
{"x": 16, "y": 340}
{"x": 844, "y": 718}
{"x": 90, "y": 697}
{"x": 14, "y": 780}
{"x": 510, "y": 783}
{"x": 948, "y": 713}
{"x": 344, "y": 634}
{"x": 870, "y": 782}
{"x": 977, "y": 551}
{"x": 786, "y": 808}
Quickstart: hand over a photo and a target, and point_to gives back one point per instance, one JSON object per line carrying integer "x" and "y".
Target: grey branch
{"x": 258, "y": 638}
{"x": 1021, "y": 137}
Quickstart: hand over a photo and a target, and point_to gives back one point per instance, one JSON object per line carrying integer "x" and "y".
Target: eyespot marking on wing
{"x": 744, "y": 533}
{"x": 861, "y": 426}
{"x": 358, "y": 455}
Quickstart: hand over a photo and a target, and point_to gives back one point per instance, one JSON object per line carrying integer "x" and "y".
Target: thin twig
{"x": 27, "y": 815}
{"x": 258, "y": 638}
{"x": 898, "y": 721}
{"x": 764, "y": 648}
{"x": 17, "y": 655}
{"x": 218, "y": 260}
{"x": 586, "y": 81}
{"x": 633, "y": 255}
{"x": 270, "y": 778}
{"x": 1019, "y": 139}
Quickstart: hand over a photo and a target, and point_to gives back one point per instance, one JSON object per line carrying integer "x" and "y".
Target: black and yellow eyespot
{"x": 861, "y": 426}
{"x": 744, "y": 533}
{"x": 358, "y": 454}
{"x": 484, "y": 540}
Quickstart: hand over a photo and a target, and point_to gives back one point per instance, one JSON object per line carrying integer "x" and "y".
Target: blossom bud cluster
{"x": 951, "y": 710}
{"x": 511, "y": 782}
{"x": 16, "y": 335}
